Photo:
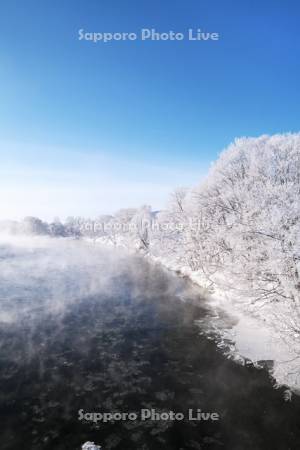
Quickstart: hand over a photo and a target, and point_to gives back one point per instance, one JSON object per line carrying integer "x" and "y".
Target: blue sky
{"x": 88, "y": 128}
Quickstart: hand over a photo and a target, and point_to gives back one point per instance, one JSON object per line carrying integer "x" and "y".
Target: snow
{"x": 90, "y": 446}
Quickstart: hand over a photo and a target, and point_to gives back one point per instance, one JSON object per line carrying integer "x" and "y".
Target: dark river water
{"x": 125, "y": 344}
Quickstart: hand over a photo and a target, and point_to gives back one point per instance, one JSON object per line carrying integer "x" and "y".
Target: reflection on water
{"x": 83, "y": 329}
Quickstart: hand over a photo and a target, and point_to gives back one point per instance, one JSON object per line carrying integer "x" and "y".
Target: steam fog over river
{"x": 97, "y": 331}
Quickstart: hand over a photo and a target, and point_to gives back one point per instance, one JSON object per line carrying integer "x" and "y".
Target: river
{"x": 103, "y": 332}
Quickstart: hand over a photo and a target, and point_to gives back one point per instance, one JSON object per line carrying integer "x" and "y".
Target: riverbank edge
{"x": 241, "y": 311}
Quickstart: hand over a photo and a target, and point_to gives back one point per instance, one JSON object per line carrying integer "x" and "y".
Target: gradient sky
{"x": 88, "y": 128}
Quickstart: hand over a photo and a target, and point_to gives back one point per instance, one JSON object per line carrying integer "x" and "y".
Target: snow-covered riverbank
{"x": 243, "y": 331}
{"x": 248, "y": 333}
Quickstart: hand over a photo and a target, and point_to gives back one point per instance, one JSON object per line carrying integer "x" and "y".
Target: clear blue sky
{"x": 92, "y": 127}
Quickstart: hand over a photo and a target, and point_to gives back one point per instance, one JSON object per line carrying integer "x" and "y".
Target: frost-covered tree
{"x": 248, "y": 211}
{"x": 56, "y": 228}
{"x": 33, "y": 225}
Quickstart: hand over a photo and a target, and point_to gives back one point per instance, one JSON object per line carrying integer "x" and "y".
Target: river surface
{"x": 86, "y": 330}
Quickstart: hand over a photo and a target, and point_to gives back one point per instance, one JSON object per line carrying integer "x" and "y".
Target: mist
{"x": 44, "y": 279}
{"x": 41, "y": 275}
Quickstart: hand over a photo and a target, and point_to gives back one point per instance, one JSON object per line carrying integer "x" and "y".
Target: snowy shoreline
{"x": 253, "y": 337}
